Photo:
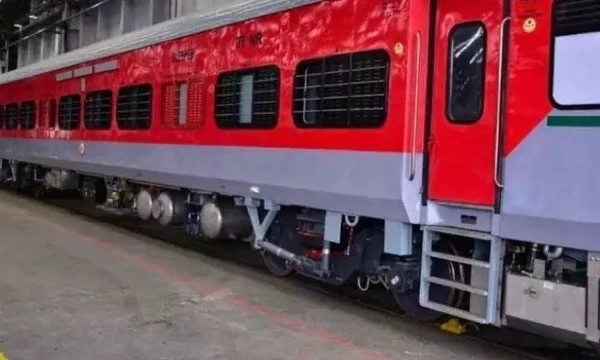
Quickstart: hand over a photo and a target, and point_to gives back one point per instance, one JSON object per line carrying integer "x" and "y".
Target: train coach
{"x": 443, "y": 150}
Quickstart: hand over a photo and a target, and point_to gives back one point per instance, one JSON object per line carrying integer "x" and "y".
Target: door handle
{"x": 413, "y": 154}
{"x": 499, "y": 104}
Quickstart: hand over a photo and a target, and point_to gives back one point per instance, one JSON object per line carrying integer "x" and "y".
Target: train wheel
{"x": 277, "y": 265}
{"x": 409, "y": 301}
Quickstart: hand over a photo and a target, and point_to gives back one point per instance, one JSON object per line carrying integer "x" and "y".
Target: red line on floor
{"x": 206, "y": 288}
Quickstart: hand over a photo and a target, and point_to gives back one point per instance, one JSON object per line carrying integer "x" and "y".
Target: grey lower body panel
{"x": 361, "y": 183}
{"x": 550, "y": 231}
{"x": 551, "y": 192}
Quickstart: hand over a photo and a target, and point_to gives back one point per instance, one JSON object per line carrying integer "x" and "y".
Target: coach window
{"x": 11, "y": 116}
{"x": 576, "y": 38}
{"x": 183, "y": 104}
{"x": 69, "y": 112}
{"x": 27, "y": 115}
{"x": 466, "y": 73}
{"x": 247, "y": 98}
{"x": 342, "y": 91}
{"x": 97, "y": 110}
{"x": 134, "y": 107}
{"x": 1, "y": 117}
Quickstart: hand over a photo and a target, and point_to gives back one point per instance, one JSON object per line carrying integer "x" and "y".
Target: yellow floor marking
{"x": 2, "y": 357}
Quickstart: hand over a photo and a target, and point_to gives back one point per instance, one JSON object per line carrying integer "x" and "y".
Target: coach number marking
{"x": 184, "y": 55}
{"x": 254, "y": 39}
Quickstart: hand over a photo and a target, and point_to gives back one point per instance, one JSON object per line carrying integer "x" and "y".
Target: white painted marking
{"x": 83, "y": 71}
{"x": 106, "y": 66}
{"x": 64, "y": 76}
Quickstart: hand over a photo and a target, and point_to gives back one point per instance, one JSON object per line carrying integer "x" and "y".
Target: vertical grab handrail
{"x": 413, "y": 155}
{"x": 304, "y": 96}
{"x": 499, "y": 103}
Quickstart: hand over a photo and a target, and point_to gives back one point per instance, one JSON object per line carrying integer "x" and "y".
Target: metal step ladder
{"x": 493, "y": 268}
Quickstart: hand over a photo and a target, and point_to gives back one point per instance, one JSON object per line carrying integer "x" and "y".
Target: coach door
{"x": 465, "y": 109}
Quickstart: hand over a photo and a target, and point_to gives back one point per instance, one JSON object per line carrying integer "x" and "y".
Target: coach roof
{"x": 168, "y": 30}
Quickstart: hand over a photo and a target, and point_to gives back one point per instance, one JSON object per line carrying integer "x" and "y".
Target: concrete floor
{"x": 72, "y": 289}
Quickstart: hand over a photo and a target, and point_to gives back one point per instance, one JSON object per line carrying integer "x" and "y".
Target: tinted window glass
{"x": 466, "y": 76}
{"x": 573, "y": 17}
{"x": 575, "y": 27}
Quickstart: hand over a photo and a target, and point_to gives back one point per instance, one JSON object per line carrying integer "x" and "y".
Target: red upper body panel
{"x": 328, "y": 28}
{"x": 462, "y": 168}
{"x": 286, "y": 39}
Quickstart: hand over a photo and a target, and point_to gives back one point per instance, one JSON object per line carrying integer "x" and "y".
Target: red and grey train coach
{"x": 443, "y": 150}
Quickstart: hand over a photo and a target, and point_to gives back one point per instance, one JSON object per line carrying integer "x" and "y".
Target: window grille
{"x": 11, "y": 116}
{"x": 134, "y": 107}
{"x": 576, "y": 17}
{"x": 27, "y": 115}
{"x": 183, "y": 104}
{"x": 98, "y": 110}
{"x": 248, "y": 98}
{"x": 69, "y": 112}
{"x": 342, "y": 91}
